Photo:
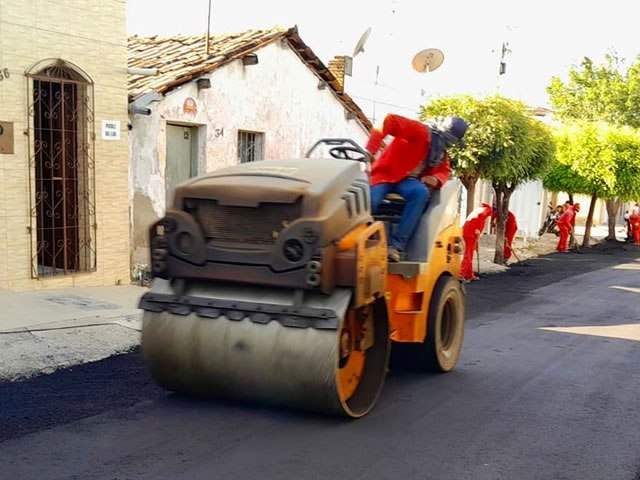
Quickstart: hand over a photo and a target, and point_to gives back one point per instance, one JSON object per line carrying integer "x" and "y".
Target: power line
{"x": 403, "y": 107}
{"x": 356, "y": 80}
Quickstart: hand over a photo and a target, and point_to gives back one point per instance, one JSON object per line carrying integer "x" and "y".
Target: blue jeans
{"x": 416, "y": 196}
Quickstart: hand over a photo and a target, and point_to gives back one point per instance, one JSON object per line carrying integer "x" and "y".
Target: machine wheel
{"x": 445, "y": 330}
{"x": 331, "y": 371}
{"x": 445, "y": 333}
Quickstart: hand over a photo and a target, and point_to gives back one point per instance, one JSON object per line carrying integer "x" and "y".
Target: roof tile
{"x": 181, "y": 58}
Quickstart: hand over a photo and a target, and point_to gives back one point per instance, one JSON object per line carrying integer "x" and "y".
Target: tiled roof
{"x": 180, "y": 59}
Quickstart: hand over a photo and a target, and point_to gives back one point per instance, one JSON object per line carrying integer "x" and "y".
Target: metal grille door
{"x": 63, "y": 207}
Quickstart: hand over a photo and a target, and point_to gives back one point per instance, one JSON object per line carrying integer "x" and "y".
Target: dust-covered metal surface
{"x": 241, "y": 359}
{"x": 233, "y": 355}
{"x": 259, "y": 344}
{"x": 258, "y": 305}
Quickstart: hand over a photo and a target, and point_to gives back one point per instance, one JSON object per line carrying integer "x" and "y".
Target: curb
{"x": 45, "y": 348}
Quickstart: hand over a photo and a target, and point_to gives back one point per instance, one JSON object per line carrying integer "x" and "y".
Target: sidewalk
{"x": 45, "y": 330}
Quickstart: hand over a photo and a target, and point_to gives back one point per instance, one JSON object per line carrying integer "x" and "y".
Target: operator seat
{"x": 442, "y": 205}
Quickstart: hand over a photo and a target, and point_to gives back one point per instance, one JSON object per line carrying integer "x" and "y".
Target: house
{"x": 199, "y": 104}
{"x": 64, "y": 214}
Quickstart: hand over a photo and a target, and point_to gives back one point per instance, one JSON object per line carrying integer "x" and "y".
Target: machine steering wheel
{"x": 344, "y": 149}
{"x": 348, "y": 153}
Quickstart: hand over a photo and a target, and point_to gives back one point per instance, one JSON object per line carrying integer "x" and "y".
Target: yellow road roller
{"x": 271, "y": 284}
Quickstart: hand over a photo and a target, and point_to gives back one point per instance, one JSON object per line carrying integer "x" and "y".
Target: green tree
{"x": 600, "y": 93}
{"x": 596, "y": 159}
{"x": 631, "y": 112}
{"x": 592, "y": 92}
{"x": 505, "y": 146}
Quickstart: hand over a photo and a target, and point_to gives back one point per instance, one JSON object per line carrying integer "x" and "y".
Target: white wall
{"x": 528, "y": 203}
{"x": 278, "y": 96}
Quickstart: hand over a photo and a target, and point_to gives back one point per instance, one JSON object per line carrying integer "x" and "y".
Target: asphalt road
{"x": 525, "y": 402}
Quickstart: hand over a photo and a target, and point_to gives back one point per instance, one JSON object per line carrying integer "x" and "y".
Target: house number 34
{"x": 4, "y": 73}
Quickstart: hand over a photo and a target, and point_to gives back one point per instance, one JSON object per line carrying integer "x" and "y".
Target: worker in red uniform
{"x": 634, "y": 223}
{"x": 415, "y": 161}
{"x": 471, "y": 230}
{"x": 565, "y": 224}
{"x": 510, "y": 229}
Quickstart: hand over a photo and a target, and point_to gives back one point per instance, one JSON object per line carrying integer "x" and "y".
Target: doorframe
{"x": 198, "y": 147}
{"x": 58, "y": 71}
{"x": 196, "y": 143}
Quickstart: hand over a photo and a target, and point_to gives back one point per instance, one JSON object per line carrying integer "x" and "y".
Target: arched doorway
{"x": 61, "y": 134}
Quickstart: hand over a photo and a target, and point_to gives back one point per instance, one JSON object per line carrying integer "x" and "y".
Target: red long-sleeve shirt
{"x": 406, "y": 152}
{"x": 566, "y": 219}
{"x": 510, "y": 226}
{"x": 476, "y": 220}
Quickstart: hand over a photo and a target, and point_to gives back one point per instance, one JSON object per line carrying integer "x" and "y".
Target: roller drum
{"x": 264, "y": 362}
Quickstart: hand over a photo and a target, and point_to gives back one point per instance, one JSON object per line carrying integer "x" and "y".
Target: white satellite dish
{"x": 360, "y": 45}
{"x": 427, "y": 60}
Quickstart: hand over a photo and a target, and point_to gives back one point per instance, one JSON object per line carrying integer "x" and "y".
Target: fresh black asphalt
{"x": 523, "y": 403}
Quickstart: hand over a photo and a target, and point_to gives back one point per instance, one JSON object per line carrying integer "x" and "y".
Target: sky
{"x": 545, "y": 39}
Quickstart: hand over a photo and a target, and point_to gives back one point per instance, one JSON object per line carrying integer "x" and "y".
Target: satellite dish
{"x": 427, "y": 60}
{"x": 360, "y": 45}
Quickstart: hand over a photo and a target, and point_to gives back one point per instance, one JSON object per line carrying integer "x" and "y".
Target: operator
{"x": 565, "y": 224}
{"x": 415, "y": 161}
{"x": 471, "y": 230}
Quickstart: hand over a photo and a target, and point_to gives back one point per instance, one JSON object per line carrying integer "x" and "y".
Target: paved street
{"x": 547, "y": 388}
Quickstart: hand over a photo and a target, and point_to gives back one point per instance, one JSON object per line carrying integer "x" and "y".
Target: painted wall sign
{"x": 190, "y": 107}
{"x": 111, "y": 129}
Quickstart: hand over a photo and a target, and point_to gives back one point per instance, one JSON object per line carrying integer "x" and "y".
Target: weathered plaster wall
{"x": 279, "y": 97}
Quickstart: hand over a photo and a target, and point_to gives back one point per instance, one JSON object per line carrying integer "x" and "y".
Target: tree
{"x": 592, "y": 92}
{"x": 600, "y": 93}
{"x": 631, "y": 106}
{"x": 596, "y": 159}
{"x": 505, "y": 145}
{"x": 527, "y": 151}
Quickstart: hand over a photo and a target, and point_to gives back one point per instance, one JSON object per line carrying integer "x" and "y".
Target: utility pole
{"x": 502, "y": 69}
{"x": 375, "y": 91}
{"x": 208, "y": 28}
{"x": 505, "y": 51}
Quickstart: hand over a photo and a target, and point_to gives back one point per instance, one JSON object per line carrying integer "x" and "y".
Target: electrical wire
{"x": 403, "y": 107}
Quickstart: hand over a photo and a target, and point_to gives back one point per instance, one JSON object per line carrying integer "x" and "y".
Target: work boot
{"x": 394, "y": 255}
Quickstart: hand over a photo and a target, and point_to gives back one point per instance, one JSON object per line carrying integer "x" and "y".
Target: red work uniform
{"x": 565, "y": 223}
{"x": 405, "y": 153}
{"x": 474, "y": 222}
{"x": 634, "y": 221}
{"x": 510, "y": 229}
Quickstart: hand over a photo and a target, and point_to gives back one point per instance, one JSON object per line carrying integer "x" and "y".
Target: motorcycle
{"x": 550, "y": 222}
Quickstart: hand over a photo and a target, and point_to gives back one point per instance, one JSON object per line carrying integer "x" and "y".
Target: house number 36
{"x": 4, "y": 73}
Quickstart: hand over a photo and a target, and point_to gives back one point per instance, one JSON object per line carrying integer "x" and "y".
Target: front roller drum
{"x": 337, "y": 371}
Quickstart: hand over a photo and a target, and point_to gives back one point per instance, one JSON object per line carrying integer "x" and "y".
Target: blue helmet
{"x": 453, "y": 129}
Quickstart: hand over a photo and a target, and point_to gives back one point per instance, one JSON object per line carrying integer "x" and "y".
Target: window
{"x": 63, "y": 215}
{"x": 250, "y": 146}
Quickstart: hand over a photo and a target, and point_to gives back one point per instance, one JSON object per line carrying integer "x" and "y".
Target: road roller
{"x": 271, "y": 284}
